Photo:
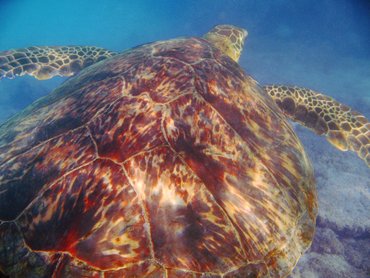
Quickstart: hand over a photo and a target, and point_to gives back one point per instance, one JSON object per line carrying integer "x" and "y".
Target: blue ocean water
{"x": 323, "y": 45}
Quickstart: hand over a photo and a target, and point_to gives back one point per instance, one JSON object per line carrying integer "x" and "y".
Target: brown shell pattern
{"x": 164, "y": 160}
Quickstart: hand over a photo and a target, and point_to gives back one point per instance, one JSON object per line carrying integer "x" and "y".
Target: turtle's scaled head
{"x": 228, "y": 38}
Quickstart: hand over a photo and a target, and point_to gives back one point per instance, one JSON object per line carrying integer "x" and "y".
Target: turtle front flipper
{"x": 343, "y": 127}
{"x": 46, "y": 62}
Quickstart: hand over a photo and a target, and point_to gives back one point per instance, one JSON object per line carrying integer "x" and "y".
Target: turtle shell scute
{"x": 164, "y": 160}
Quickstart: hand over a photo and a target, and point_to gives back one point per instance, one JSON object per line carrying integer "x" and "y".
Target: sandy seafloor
{"x": 323, "y": 45}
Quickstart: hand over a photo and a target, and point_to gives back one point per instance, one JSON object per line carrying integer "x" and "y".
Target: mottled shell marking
{"x": 206, "y": 174}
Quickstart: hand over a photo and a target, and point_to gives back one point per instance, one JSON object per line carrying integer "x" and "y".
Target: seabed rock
{"x": 341, "y": 246}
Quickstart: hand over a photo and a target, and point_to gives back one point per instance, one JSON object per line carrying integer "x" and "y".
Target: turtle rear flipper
{"x": 343, "y": 127}
{"x": 46, "y": 62}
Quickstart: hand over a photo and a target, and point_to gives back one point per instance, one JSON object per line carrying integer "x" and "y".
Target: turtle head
{"x": 228, "y": 38}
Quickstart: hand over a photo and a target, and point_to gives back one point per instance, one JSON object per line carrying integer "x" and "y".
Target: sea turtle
{"x": 166, "y": 160}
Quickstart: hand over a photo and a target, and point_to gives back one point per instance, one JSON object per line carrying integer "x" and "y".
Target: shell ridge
{"x": 145, "y": 215}
{"x": 46, "y": 187}
{"x": 226, "y": 215}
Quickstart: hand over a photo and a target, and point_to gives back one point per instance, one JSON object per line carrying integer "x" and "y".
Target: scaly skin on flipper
{"x": 344, "y": 128}
{"x": 46, "y": 62}
{"x": 166, "y": 160}
{"x": 171, "y": 163}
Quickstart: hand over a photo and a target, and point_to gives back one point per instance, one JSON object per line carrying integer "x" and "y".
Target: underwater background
{"x": 323, "y": 45}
